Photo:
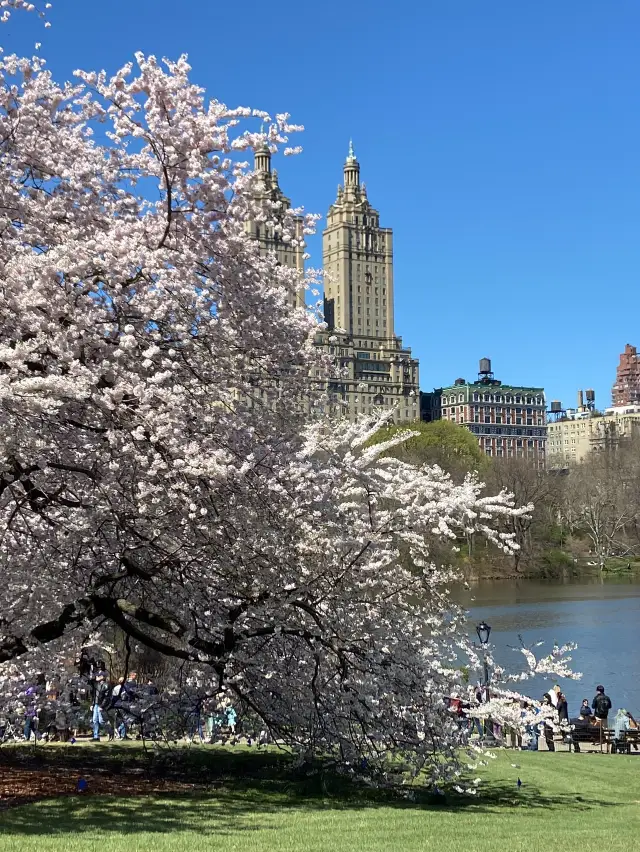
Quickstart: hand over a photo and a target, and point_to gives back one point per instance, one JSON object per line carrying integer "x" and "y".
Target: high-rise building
{"x": 376, "y": 371}
{"x": 508, "y": 420}
{"x": 373, "y": 369}
{"x": 626, "y": 390}
{"x": 357, "y": 256}
{"x": 268, "y": 232}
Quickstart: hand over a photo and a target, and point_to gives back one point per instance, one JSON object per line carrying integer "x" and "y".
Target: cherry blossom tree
{"x": 166, "y": 468}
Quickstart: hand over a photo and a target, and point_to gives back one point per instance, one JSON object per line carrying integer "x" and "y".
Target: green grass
{"x": 569, "y": 802}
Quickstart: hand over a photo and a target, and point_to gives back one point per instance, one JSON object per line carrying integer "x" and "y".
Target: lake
{"x": 601, "y": 615}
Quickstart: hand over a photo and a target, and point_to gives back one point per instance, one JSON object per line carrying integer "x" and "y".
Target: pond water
{"x": 601, "y": 615}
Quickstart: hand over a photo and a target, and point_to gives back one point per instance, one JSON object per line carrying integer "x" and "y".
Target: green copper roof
{"x": 482, "y": 388}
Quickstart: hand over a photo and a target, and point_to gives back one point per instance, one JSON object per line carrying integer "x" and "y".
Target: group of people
{"x": 122, "y": 710}
{"x": 544, "y": 721}
{"x": 90, "y": 700}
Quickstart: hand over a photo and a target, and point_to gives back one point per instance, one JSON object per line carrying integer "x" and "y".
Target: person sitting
{"x": 583, "y": 730}
{"x": 585, "y": 710}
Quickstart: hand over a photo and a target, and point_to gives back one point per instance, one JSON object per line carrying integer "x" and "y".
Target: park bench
{"x": 624, "y": 743}
{"x": 605, "y": 738}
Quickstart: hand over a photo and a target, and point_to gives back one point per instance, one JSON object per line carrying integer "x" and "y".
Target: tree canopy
{"x": 165, "y": 468}
{"x": 440, "y": 442}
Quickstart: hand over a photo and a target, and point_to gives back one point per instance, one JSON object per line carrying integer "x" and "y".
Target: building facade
{"x": 626, "y": 389}
{"x": 508, "y": 420}
{"x": 374, "y": 369}
{"x": 431, "y": 405}
{"x": 357, "y": 258}
{"x": 268, "y": 231}
{"x": 578, "y": 432}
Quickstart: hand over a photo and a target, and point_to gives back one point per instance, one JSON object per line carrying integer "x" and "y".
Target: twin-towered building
{"x": 373, "y": 369}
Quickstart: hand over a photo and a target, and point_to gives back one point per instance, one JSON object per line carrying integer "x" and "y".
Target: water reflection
{"x": 603, "y": 617}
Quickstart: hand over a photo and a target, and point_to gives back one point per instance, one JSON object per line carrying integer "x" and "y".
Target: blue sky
{"x": 500, "y": 141}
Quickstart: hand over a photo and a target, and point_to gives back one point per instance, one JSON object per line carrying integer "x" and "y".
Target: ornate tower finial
{"x": 262, "y": 157}
{"x": 351, "y": 171}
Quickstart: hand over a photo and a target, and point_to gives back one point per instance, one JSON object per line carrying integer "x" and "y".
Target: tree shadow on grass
{"x": 232, "y": 792}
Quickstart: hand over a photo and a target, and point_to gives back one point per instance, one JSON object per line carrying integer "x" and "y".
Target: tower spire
{"x": 262, "y": 158}
{"x": 351, "y": 170}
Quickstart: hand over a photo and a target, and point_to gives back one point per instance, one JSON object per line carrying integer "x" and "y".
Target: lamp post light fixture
{"x": 484, "y": 631}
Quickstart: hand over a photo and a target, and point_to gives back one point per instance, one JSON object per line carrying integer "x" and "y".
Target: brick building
{"x": 508, "y": 420}
{"x": 626, "y": 390}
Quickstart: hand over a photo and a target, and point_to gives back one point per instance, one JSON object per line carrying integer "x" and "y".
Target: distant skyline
{"x": 500, "y": 141}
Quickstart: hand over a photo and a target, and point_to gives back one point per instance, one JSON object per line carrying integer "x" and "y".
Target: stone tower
{"x": 357, "y": 257}
{"x": 267, "y": 233}
{"x": 374, "y": 371}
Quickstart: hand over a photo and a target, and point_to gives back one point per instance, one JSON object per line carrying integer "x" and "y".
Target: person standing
{"x": 31, "y": 713}
{"x": 563, "y": 708}
{"x": 100, "y": 703}
{"x": 232, "y": 720}
{"x": 547, "y": 725}
{"x": 601, "y": 705}
{"x": 119, "y": 700}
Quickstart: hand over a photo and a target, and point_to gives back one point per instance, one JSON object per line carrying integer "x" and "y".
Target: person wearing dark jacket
{"x": 100, "y": 701}
{"x": 601, "y": 705}
{"x": 582, "y": 731}
{"x": 585, "y": 710}
{"x": 563, "y": 708}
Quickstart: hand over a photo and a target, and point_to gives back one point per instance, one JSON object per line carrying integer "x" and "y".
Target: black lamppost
{"x": 484, "y": 631}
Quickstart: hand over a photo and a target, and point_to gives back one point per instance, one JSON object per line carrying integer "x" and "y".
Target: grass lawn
{"x": 569, "y": 802}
